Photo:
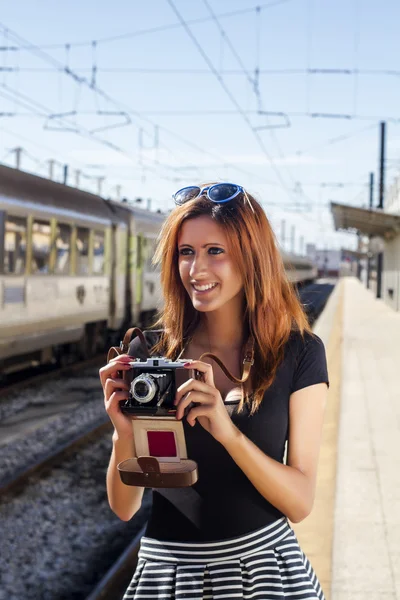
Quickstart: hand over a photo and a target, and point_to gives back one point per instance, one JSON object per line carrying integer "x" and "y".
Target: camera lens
{"x": 143, "y": 388}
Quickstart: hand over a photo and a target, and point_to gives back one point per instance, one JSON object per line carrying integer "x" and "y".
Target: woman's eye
{"x": 214, "y": 250}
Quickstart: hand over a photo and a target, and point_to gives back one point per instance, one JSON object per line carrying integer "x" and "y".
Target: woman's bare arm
{"x": 124, "y": 500}
{"x": 290, "y": 488}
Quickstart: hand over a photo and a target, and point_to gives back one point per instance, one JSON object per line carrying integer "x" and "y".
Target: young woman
{"x": 228, "y": 536}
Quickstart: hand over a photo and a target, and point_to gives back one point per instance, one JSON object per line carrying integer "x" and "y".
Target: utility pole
{"x": 18, "y": 152}
{"x": 302, "y": 245}
{"x": 51, "y": 168}
{"x": 65, "y": 174}
{"x": 283, "y": 227}
{"x": 292, "y": 236}
{"x": 379, "y": 266}
{"x": 371, "y": 204}
{"x": 382, "y": 164}
{"x": 371, "y": 190}
{"x": 99, "y": 184}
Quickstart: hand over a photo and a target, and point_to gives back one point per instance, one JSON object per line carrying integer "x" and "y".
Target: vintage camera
{"x": 152, "y": 386}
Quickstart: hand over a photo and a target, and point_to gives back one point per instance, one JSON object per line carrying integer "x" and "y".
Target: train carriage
{"x": 65, "y": 284}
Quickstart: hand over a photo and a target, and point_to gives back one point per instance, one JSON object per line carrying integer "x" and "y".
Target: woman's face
{"x": 206, "y": 268}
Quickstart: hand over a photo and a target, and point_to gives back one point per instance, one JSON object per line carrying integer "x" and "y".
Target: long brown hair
{"x": 273, "y": 305}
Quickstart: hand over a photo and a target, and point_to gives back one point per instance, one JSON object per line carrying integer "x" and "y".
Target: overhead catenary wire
{"x": 350, "y": 71}
{"x": 67, "y": 124}
{"x": 255, "y": 88}
{"x": 161, "y": 28}
{"x": 230, "y": 95}
{"x": 81, "y": 80}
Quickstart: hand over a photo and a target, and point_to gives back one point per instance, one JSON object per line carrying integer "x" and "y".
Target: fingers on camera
{"x": 112, "y": 369}
{"x": 112, "y": 385}
{"x": 116, "y": 397}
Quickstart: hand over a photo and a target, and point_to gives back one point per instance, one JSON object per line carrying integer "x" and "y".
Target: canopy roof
{"x": 366, "y": 221}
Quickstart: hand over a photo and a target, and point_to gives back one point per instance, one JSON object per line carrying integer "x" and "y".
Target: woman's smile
{"x": 204, "y": 288}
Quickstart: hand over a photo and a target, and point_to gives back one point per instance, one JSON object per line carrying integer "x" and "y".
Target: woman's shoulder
{"x": 299, "y": 343}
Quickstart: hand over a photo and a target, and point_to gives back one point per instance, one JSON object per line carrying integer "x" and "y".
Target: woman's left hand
{"x": 210, "y": 410}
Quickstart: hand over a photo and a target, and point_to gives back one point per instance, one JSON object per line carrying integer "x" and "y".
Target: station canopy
{"x": 372, "y": 222}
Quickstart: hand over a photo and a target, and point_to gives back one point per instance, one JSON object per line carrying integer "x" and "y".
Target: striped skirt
{"x": 266, "y": 564}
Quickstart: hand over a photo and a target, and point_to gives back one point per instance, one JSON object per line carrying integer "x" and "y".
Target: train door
{"x": 139, "y": 276}
{"x": 113, "y": 275}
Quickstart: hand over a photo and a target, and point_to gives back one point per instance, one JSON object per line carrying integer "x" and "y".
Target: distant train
{"x": 76, "y": 271}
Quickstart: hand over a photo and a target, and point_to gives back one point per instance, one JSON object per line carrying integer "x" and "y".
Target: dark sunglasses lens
{"x": 219, "y": 193}
{"x": 188, "y": 193}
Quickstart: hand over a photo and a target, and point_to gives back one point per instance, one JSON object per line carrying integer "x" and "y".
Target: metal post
{"x": 51, "y": 169}
{"x": 371, "y": 204}
{"x": 99, "y": 183}
{"x": 18, "y": 152}
{"x": 65, "y": 174}
{"x": 371, "y": 190}
{"x": 77, "y": 177}
{"x": 382, "y": 165}
{"x": 369, "y": 261}
{"x": 379, "y": 271}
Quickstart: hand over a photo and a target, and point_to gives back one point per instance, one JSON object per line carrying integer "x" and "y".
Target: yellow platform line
{"x": 315, "y": 533}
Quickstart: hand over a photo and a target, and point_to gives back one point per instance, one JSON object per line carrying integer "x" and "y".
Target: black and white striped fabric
{"x": 266, "y": 565}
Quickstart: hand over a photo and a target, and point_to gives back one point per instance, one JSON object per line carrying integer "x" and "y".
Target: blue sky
{"x": 175, "y": 105}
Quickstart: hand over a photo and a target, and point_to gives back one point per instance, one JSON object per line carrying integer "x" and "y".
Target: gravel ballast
{"x": 58, "y": 535}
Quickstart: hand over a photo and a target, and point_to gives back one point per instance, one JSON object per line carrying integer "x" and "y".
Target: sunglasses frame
{"x": 207, "y": 189}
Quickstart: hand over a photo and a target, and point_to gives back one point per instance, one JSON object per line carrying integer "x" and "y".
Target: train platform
{"x": 352, "y": 536}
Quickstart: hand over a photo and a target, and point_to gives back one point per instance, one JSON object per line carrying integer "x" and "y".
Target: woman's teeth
{"x": 204, "y": 288}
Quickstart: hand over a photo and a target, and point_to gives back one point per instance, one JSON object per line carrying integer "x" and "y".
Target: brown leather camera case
{"x": 148, "y": 471}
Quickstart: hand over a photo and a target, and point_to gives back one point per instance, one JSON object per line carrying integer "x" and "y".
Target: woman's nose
{"x": 198, "y": 266}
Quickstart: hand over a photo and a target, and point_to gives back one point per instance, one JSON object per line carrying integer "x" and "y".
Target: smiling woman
{"x": 224, "y": 284}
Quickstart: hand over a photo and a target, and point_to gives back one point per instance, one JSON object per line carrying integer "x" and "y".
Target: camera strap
{"x": 124, "y": 345}
{"x": 248, "y": 362}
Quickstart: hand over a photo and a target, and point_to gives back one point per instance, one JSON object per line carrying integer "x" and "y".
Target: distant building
{"x": 327, "y": 261}
{"x": 381, "y": 228}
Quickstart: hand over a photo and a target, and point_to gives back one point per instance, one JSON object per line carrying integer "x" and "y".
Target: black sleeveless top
{"x": 224, "y": 503}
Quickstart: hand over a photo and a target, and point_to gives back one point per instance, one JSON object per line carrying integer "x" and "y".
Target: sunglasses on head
{"x": 218, "y": 193}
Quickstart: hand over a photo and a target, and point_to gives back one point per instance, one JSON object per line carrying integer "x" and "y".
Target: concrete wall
{"x": 391, "y": 273}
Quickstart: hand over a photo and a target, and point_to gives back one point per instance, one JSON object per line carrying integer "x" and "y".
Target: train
{"x": 76, "y": 270}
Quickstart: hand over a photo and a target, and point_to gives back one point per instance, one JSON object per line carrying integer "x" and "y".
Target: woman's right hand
{"x": 115, "y": 390}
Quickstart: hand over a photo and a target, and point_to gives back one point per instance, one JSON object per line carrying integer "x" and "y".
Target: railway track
{"x": 23, "y": 379}
{"x": 113, "y": 584}
{"x": 20, "y": 478}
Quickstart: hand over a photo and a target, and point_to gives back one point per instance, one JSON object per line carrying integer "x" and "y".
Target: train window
{"x": 41, "y": 244}
{"x": 63, "y": 250}
{"x": 98, "y": 252}
{"x": 15, "y": 245}
{"x": 82, "y": 251}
